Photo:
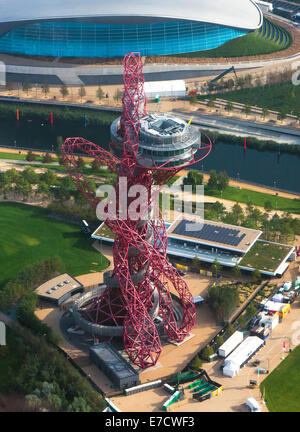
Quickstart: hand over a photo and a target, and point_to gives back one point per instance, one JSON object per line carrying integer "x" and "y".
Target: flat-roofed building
{"x": 208, "y": 240}
{"x": 94, "y": 28}
{"x": 117, "y": 369}
{"x": 59, "y": 289}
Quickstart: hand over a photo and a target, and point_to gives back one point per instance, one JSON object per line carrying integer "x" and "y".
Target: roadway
{"x": 234, "y": 126}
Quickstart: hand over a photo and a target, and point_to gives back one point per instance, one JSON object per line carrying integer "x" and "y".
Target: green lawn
{"x": 282, "y": 386}
{"x": 15, "y": 156}
{"x": 265, "y": 256}
{"x": 105, "y": 232}
{"x": 27, "y": 236}
{"x": 248, "y": 45}
{"x": 277, "y": 97}
{"x": 257, "y": 198}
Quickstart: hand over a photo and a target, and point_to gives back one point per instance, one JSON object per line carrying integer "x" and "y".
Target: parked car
{"x": 253, "y": 322}
{"x": 253, "y": 404}
{"x": 262, "y": 370}
{"x": 54, "y": 288}
{"x": 49, "y": 292}
{"x": 67, "y": 281}
{"x": 60, "y": 284}
{"x": 287, "y": 286}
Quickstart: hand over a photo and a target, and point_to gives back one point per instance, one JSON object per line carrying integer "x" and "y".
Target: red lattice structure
{"x": 139, "y": 287}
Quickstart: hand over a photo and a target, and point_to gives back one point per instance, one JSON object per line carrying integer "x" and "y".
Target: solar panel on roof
{"x": 212, "y": 233}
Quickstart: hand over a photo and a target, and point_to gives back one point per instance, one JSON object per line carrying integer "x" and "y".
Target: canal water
{"x": 266, "y": 168}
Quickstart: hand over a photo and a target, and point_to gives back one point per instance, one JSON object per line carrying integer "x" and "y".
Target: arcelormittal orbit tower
{"x": 146, "y": 149}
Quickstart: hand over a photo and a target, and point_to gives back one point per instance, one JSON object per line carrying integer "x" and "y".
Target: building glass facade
{"x": 75, "y": 39}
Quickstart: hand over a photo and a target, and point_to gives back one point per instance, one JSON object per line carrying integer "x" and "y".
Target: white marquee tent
{"x": 175, "y": 88}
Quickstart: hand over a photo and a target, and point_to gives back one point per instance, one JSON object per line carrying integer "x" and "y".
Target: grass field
{"x": 282, "y": 386}
{"x": 277, "y": 97}
{"x": 248, "y": 45}
{"x": 265, "y": 256}
{"x": 28, "y": 236}
{"x": 257, "y": 198}
{"x": 16, "y": 156}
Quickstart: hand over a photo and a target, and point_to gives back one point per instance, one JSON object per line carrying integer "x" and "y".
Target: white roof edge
{"x": 244, "y": 15}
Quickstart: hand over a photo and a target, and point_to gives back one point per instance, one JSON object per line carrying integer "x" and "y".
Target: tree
{"x": 268, "y": 206}
{"x": 66, "y": 189}
{"x": 79, "y": 405}
{"x": 237, "y": 211}
{"x": 242, "y": 322}
{"x": 118, "y": 95}
{"x": 45, "y": 88}
{"x": 49, "y": 178}
{"x": 96, "y": 165}
{"x": 30, "y": 157}
{"x": 23, "y": 187}
{"x": 196, "y": 263}
{"x": 247, "y": 110}
{"x": 216, "y": 268}
{"x": 81, "y": 92}
{"x": 193, "y": 99}
{"x": 251, "y": 311}
{"x": 265, "y": 112}
{"x": 196, "y": 363}
{"x": 281, "y": 115}
{"x": 219, "y": 209}
{"x": 248, "y": 80}
{"x": 80, "y": 162}
{"x": 211, "y": 103}
{"x": 223, "y": 299}
{"x": 250, "y": 207}
{"x": 9, "y": 85}
{"x": 219, "y": 341}
{"x": 229, "y": 331}
{"x": 207, "y": 352}
{"x": 256, "y": 275}
{"x": 213, "y": 180}
{"x": 33, "y": 401}
{"x": 26, "y": 86}
{"x": 237, "y": 270}
{"x": 43, "y": 189}
{"x": 100, "y": 93}
{"x": 194, "y": 178}
{"x": 47, "y": 158}
{"x": 31, "y": 176}
{"x": 64, "y": 90}
{"x": 222, "y": 181}
{"x": 59, "y": 144}
{"x": 229, "y": 107}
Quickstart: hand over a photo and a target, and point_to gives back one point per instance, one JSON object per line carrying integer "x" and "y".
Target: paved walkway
{"x": 239, "y": 127}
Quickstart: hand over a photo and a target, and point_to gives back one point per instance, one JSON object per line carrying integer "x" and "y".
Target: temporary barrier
{"x": 172, "y": 399}
{"x": 112, "y": 406}
{"x": 185, "y": 377}
{"x": 196, "y": 383}
{"x": 205, "y": 273}
{"x": 169, "y": 388}
{"x": 206, "y": 389}
{"x": 182, "y": 267}
{"x": 142, "y": 387}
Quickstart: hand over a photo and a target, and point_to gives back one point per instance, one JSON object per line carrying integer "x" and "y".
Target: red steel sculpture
{"x": 141, "y": 270}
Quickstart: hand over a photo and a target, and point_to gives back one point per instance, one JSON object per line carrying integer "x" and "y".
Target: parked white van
{"x": 253, "y": 404}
